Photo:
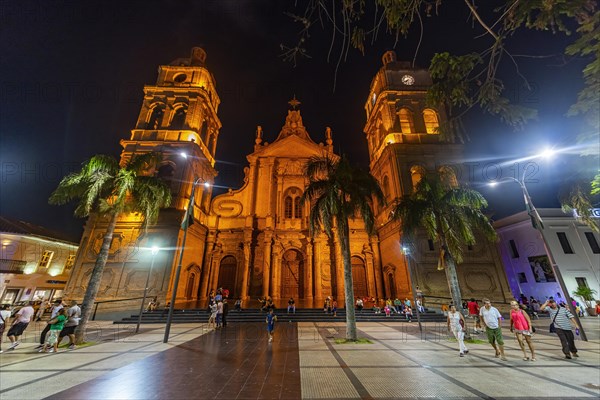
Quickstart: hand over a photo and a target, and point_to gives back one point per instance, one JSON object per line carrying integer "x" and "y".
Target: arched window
{"x": 432, "y": 123}
{"x": 204, "y": 132}
{"x": 292, "y": 208}
{"x": 416, "y": 174}
{"x": 178, "y": 120}
{"x": 406, "y": 121}
{"x": 166, "y": 172}
{"x": 297, "y": 208}
{"x": 448, "y": 176}
{"x": 386, "y": 187}
{"x": 288, "y": 209}
{"x": 155, "y": 118}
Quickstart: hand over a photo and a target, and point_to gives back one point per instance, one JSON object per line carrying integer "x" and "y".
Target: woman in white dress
{"x": 456, "y": 323}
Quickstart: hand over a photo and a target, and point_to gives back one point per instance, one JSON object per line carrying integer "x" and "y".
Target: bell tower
{"x": 404, "y": 145}
{"x": 178, "y": 119}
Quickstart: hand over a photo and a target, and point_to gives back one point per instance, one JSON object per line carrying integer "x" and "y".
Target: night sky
{"x": 72, "y": 75}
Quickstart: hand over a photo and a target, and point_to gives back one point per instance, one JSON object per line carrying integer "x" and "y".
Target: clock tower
{"x": 404, "y": 144}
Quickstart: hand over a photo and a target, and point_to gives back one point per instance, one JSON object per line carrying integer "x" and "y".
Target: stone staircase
{"x": 255, "y": 315}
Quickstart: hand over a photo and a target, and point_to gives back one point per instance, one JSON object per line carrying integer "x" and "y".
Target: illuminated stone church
{"x": 254, "y": 241}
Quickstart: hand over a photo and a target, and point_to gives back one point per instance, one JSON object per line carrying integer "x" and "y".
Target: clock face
{"x": 408, "y": 79}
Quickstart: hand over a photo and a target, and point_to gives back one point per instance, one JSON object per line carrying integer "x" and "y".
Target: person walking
{"x": 492, "y": 321}
{"x": 474, "y": 313}
{"x": 334, "y": 308}
{"x": 225, "y": 311}
{"x": 271, "y": 319}
{"x": 56, "y": 325}
{"x": 40, "y": 312}
{"x": 22, "y": 319}
{"x": 53, "y": 313}
{"x": 4, "y": 317}
{"x": 73, "y": 317}
{"x": 456, "y": 323}
{"x": 562, "y": 320}
{"x": 213, "y": 314}
{"x": 520, "y": 324}
{"x": 219, "y": 313}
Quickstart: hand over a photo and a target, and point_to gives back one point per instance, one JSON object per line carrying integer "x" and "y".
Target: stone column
{"x": 377, "y": 267}
{"x": 246, "y": 269}
{"x": 318, "y": 265}
{"x": 339, "y": 271}
{"x": 267, "y": 264}
{"x": 276, "y": 273}
{"x": 368, "y": 253}
{"x": 308, "y": 295}
{"x": 206, "y": 267}
{"x": 216, "y": 259}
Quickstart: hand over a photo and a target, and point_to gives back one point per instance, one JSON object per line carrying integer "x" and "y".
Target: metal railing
{"x": 97, "y": 303}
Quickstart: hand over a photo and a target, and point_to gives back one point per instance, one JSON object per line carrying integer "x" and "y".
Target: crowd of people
{"x": 520, "y": 318}
{"x": 62, "y": 323}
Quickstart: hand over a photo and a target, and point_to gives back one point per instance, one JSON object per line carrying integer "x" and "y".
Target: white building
{"x": 35, "y": 263}
{"x": 575, "y": 248}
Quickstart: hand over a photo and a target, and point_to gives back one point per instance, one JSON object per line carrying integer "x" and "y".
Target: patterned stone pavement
{"x": 303, "y": 362}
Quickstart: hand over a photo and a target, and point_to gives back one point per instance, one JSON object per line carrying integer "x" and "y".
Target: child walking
{"x": 271, "y": 319}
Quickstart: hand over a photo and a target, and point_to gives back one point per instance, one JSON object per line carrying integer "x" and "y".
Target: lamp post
{"x": 154, "y": 251}
{"x": 406, "y": 251}
{"x": 538, "y": 225}
{"x": 187, "y": 221}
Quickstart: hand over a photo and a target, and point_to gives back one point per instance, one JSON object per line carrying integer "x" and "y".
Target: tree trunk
{"x": 452, "y": 279}
{"x": 94, "y": 284}
{"x": 344, "y": 233}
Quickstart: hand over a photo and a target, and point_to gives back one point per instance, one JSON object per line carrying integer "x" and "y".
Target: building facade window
{"x": 288, "y": 209}
{"x": 431, "y": 120}
{"x": 514, "y": 252}
{"x": 292, "y": 207}
{"x": 564, "y": 243}
{"x": 46, "y": 259}
{"x": 416, "y": 174}
{"x": 406, "y": 121}
{"x": 297, "y": 208}
{"x": 593, "y": 242}
{"x": 155, "y": 118}
{"x": 581, "y": 282}
{"x": 178, "y": 120}
{"x": 70, "y": 262}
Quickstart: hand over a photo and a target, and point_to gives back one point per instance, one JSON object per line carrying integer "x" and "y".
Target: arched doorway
{"x": 359, "y": 277}
{"x": 392, "y": 285}
{"x": 227, "y": 272}
{"x": 189, "y": 289}
{"x": 292, "y": 275}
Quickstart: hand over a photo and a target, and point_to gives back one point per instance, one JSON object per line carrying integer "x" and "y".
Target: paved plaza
{"x": 304, "y": 362}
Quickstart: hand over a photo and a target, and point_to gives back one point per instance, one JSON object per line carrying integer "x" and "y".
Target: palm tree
{"x": 450, "y": 214}
{"x": 104, "y": 188}
{"x": 338, "y": 191}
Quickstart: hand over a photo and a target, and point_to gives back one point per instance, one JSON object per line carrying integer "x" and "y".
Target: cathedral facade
{"x": 255, "y": 241}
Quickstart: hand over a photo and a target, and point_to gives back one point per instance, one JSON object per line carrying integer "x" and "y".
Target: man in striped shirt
{"x": 562, "y": 322}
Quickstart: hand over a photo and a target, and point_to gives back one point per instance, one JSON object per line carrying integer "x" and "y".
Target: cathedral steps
{"x": 255, "y": 315}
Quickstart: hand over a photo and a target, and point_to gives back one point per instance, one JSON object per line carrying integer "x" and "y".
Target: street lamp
{"x": 406, "y": 251}
{"x": 154, "y": 251}
{"x": 537, "y": 223}
{"x": 188, "y": 219}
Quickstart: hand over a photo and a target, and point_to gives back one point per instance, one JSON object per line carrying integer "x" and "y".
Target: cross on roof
{"x": 294, "y": 102}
